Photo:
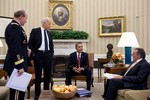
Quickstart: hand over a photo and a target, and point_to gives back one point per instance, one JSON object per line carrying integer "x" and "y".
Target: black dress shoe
{"x": 89, "y": 89}
{"x": 36, "y": 98}
{"x": 88, "y": 95}
{"x": 103, "y": 96}
{"x": 148, "y": 98}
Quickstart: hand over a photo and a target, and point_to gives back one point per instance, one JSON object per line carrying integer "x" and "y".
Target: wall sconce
{"x": 128, "y": 40}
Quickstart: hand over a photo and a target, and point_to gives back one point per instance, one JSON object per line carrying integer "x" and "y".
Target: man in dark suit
{"x": 135, "y": 77}
{"x": 41, "y": 45}
{"x": 78, "y": 64}
{"x": 17, "y": 52}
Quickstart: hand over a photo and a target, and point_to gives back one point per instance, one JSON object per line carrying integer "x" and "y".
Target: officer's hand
{"x": 20, "y": 71}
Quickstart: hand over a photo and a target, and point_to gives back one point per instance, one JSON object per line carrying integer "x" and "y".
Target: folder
{"x": 19, "y": 82}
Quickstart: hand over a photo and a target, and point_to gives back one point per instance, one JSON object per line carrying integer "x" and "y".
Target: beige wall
{"x": 86, "y": 14}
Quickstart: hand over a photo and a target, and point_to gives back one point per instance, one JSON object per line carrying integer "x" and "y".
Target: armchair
{"x": 91, "y": 66}
{"x": 128, "y": 94}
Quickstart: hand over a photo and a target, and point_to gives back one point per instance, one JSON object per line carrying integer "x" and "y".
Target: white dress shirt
{"x": 42, "y": 47}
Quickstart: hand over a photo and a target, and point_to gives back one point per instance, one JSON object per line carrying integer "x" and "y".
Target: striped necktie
{"x": 45, "y": 39}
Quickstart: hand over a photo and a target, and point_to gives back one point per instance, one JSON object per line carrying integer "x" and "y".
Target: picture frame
{"x": 61, "y": 14}
{"x": 111, "y": 26}
{"x": 4, "y": 21}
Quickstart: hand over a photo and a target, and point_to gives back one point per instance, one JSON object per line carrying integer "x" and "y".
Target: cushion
{"x": 4, "y": 93}
{"x": 137, "y": 95}
{"x": 2, "y": 82}
{"x": 121, "y": 92}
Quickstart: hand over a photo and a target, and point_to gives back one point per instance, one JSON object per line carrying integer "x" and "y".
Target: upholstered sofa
{"x": 127, "y": 94}
{"x": 4, "y": 91}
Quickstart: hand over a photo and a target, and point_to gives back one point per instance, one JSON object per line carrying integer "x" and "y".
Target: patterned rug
{"x": 97, "y": 90}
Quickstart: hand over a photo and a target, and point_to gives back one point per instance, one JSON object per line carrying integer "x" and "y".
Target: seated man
{"x": 134, "y": 78}
{"x": 78, "y": 64}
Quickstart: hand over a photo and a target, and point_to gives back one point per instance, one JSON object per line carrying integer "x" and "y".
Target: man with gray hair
{"x": 17, "y": 52}
{"x": 41, "y": 45}
{"x": 135, "y": 77}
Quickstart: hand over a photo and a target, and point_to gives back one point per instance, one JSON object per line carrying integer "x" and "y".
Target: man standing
{"x": 78, "y": 64}
{"x": 17, "y": 52}
{"x": 134, "y": 78}
{"x": 41, "y": 45}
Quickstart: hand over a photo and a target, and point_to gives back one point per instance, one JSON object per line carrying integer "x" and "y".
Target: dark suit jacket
{"x": 35, "y": 40}
{"x": 16, "y": 41}
{"x": 137, "y": 77}
{"x": 74, "y": 62}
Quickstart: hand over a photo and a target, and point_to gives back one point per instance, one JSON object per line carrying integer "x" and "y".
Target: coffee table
{"x": 48, "y": 95}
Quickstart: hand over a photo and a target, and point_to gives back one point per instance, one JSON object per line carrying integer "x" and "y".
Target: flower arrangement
{"x": 117, "y": 58}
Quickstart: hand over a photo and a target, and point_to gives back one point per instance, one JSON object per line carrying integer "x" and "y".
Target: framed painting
{"x": 4, "y": 21}
{"x": 111, "y": 26}
{"x": 61, "y": 14}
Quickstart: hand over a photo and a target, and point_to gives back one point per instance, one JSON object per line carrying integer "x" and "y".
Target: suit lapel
{"x": 135, "y": 66}
{"x": 40, "y": 33}
{"x": 75, "y": 57}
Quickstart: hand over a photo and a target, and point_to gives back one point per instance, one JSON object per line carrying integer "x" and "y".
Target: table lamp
{"x": 128, "y": 40}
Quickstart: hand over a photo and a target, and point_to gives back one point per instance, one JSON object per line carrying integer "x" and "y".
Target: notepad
{"x": 19, "y": 82}
{"x": 109, "y": 75}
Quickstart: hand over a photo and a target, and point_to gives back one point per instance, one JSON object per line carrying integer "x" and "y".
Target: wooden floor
{"x": 97, "y": 90}
{"x": 101, "y": 80}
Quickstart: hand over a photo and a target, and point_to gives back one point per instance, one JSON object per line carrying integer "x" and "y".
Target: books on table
{"x": 81, "y": 92}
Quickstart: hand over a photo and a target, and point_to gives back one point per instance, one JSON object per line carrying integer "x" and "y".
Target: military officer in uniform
{"x": 17, "y": 52}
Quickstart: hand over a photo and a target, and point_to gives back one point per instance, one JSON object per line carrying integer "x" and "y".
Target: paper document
{"x": 109, "y": 76}
{"x": 19, "y": 82}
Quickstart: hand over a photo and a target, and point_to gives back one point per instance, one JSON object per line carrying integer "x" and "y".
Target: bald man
{"x": 41, "y": 45}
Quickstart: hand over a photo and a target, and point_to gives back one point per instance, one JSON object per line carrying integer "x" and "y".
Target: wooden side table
{"x": 114, "y": 70}
{"x": 101, "y": 61}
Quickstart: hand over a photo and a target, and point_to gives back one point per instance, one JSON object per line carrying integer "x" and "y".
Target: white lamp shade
{"x": 1, "y": 44}
{"x": 128, "y": 39}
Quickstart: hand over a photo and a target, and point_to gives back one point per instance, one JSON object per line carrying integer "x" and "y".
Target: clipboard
{"x": 19, "y": 82}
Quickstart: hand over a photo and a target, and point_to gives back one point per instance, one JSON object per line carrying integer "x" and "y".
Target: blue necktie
{"x": 46, "y": 43}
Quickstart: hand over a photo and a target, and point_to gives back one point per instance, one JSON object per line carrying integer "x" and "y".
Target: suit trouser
{"x": 16, "y": 95}
{"x": 111, "y": 88}
{"x": 86, "y": 72}
{"x": 43, "y": 60}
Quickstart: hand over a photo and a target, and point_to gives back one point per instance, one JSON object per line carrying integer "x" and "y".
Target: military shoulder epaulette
{"x": 14, "y": 24}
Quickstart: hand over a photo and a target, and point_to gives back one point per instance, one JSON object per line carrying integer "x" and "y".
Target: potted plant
{"x": 65, "y": 40}
{"x": 69, "y": 34}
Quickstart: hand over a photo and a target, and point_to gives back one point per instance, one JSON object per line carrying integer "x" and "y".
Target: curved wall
{"x": 85, "y": 17}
